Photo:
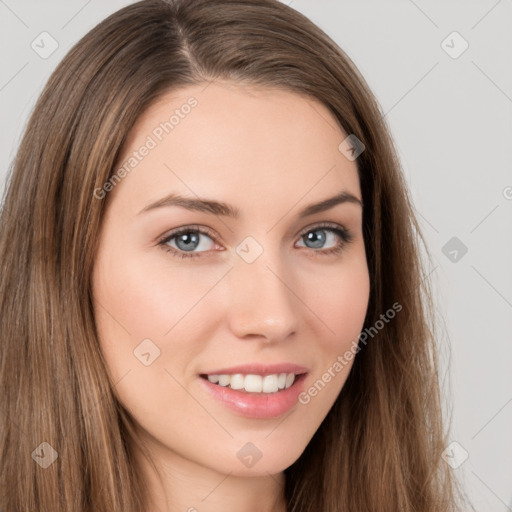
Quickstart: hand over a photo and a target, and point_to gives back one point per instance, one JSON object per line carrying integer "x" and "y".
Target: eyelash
{"x": 343, "y": 233}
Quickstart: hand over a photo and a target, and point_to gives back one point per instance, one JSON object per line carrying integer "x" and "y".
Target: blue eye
{"x": 186, "y": 242}
{"x": 321, "y": 235}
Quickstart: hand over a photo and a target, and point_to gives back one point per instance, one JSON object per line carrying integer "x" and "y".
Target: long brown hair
{"x": 379, "y": 448}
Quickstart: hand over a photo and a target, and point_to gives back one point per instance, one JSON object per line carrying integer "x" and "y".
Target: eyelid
{"x": 213, "y": 235}
{"x": 341, "y": 231}
{"x": 320, "y": 225}
{"x": 188, "y": 227}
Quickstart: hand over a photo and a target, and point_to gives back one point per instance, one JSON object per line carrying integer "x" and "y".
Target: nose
{"x": 263, "y": 303}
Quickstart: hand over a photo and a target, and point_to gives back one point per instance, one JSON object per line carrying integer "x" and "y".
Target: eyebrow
{"x": 226, "y": 210}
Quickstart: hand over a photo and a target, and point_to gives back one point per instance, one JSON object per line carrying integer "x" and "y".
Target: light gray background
{"x": 451, "y": 120}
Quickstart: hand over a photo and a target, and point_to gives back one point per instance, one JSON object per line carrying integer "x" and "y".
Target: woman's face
{"x": 256, "y": 293}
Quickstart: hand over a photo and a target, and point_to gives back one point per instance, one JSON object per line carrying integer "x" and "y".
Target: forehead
{"x": 225, "y": 138}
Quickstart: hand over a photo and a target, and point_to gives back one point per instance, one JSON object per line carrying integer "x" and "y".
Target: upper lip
{"x": 260, "y": 369}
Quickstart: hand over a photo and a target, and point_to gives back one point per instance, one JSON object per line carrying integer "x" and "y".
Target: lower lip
{"x": 257, "y": 405}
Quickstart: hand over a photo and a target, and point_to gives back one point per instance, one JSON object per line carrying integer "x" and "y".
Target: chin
{"x": 261, "y": 459}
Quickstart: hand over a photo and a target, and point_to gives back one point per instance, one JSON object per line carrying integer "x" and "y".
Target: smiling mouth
{"x": 255, "y": 384}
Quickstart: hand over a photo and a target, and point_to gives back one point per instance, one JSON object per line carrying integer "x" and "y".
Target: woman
{"x": 212, "y": 295}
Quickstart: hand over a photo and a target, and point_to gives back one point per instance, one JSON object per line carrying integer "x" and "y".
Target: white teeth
{"x": 237, "y": 381}
{"x": 224, "y": 380}
{"x": 270, "y": 383}
{"x": 289, "y": 380}
{"x": 255, "y": 383}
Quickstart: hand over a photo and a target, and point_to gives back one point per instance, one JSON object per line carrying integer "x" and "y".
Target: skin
{"x": 269, "y": 153}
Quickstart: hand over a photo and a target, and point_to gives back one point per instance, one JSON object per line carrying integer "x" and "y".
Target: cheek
{"x": 150, "y": 299}
{"x": 341, "y": 304}
{"x": 340, "y": 301}
{"x": 347, "y": 308}
{"x": 140, "y": 304}
{"x": 139, "y": 300}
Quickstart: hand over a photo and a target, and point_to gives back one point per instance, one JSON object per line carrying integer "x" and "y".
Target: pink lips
{"x": 257, "y": 405}
{"x": 260, "y": 369}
